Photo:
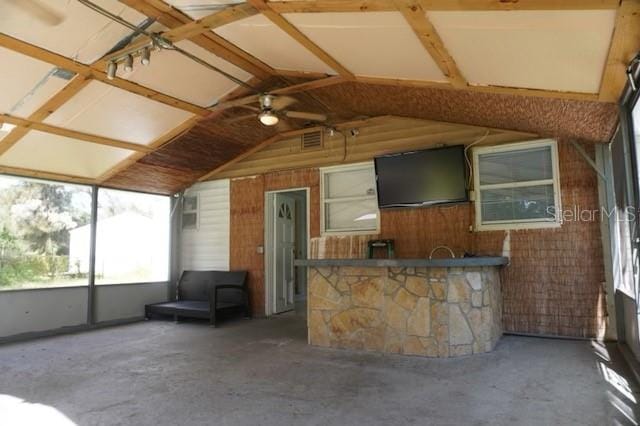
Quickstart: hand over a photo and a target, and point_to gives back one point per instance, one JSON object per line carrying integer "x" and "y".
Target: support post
{"x": 608, "y": 227}
{"x": 92, "y": 257}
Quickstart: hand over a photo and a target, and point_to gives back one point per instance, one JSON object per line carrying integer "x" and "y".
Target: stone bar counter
{"x": 427, "y": 307}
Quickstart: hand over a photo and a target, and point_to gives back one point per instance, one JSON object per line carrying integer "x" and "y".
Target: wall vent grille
{"x": 311, "y": 140}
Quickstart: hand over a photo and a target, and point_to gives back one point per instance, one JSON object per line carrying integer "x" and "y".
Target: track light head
{"x": 112, "y": 68}
{"x": 145, "y": 56}
{"x": 128, "y": 63}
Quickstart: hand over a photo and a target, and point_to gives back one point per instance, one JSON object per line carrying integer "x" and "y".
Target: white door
{"x": 284, "y": 249}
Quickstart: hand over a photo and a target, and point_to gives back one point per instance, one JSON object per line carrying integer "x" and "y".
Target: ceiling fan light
{"x": 268, "y": 118}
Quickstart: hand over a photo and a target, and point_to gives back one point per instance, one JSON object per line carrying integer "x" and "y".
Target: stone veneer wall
{"x": 436, "y": 312}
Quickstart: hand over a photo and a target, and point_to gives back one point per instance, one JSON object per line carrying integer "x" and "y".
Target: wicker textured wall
{"x": 247, "y": 222}
{"x": 554, "y": 284}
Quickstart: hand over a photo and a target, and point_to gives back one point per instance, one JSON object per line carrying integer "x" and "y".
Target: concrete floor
{"x": 261, "y": 372}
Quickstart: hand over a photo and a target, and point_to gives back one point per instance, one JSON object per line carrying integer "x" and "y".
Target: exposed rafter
{"x": 38, "y": 174}
{"x": 165, "y": 139}
{"x": 70, "y": 90}
{"x": 82, "y": 136}
{"x": 172, "y": 18}
{"x": 311, "y": 6}
{"x": 190, "y": 29}
{"x": 624, "y": 45}
{"x": 415, "y": 15}
{"x": 296, "y": 34}
{"x": 88, "y": 72}
{"x": 538, "y": 93}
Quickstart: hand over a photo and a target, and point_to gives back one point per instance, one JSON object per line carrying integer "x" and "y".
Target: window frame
{"x": 520, "y": 223}
{"x": 323, "y": 200}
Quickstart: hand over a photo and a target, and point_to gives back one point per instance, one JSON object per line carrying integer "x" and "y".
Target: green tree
{"x": 36, "y": 219}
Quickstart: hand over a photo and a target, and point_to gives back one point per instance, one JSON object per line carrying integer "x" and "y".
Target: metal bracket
{"x": 588, "y": 159}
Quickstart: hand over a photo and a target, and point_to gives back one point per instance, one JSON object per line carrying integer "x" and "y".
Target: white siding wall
{"x": 207, "y": 247}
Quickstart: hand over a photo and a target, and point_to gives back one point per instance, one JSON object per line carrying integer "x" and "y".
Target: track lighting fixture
{"x": 128, "y": 63}
{"x": 112, "y": 68}
{"x": 268, "y": 118}
{"x": 145, "y": 57}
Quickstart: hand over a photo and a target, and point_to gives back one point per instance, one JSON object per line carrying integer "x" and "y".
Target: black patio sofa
{"x": 206, "y": 295}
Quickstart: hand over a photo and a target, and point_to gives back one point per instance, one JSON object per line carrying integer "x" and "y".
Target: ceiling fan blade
{"x": 306, "y": 115}
{"x": 252, "y": 108}
{"x": 239, "y": 118}
{"x": 40, "y": 11}
{"x": 235, "y": 103}
{"x": 281, "y": 102}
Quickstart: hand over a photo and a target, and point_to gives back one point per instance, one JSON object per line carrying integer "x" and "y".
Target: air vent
{"x": 311, "y": 140}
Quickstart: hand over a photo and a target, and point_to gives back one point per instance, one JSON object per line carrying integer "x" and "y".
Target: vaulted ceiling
{"x": 553, "y": 68}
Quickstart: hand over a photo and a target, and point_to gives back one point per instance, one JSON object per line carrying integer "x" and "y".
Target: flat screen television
{"x": 422, "y": 178}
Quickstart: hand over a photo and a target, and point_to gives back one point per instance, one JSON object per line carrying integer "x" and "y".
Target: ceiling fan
{"x": 272, "y": 107}
{"x": 38, "y": 10}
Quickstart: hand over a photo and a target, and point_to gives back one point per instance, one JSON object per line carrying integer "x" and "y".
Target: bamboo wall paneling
{"x": 593, "y": 121}
{"x": 150, "y": 178}
{"x": 553, "y": 284}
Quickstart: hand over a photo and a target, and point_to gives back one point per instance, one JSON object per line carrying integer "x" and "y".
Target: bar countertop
{"x": 408, "y": 263}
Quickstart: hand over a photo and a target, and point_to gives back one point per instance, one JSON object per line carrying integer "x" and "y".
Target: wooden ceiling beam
{"x": 38, "y": 174}
{"x": 172, "y": 18}
{"x": 78, "y": 83}
{"x": 190, "y": 29}
{"x": 89, "y": 72}
{"x": 297, "y": 35}
{"x": 417, "y": 18}
{"x": 55, "y": 130}
{"x": 483, "y": 89}
{"x": 317, "y": 6}
{"x": 625, "y": 43}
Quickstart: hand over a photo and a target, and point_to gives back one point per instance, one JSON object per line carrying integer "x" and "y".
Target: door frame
{"x": 269, "y": 258}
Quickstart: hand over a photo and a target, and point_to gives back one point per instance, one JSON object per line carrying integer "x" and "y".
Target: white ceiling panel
{"x": 261, "y": 38}
{"x": 553, "y": 50}
{"x": 108, "y": 111}
{"x": 58, "y": 154}
{"x": 373, "y": 44}
{"x": 66, "y": 26}
{"x": 198, "y": 9}
{"x": 25, "y": 83}
{"x": 174, "y": 74}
